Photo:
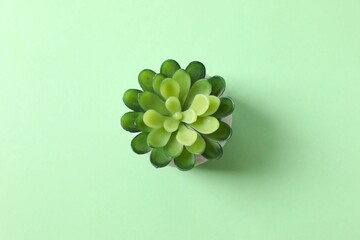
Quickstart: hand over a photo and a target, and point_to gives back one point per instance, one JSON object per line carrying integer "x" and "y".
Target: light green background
{"x": 291, "y": 170}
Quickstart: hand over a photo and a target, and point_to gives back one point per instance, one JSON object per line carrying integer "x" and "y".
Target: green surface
{"x": 290, "y": 171}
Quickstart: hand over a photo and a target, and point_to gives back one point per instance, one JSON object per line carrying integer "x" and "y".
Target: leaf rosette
{"x": 178, "y": 114}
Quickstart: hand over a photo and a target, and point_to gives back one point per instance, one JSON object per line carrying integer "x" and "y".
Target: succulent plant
{"x": 178, "y": 114}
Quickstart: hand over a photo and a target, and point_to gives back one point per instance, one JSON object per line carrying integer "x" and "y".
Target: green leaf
{"x": 158, "y": 78}
{"x": 200, "y": 104}
{"x": 200, "y": 87}
{"x": 173, "y": 147}
{"x": 171, "y": 125}
{"x": 189, "y": 116}
{"x": 130, "y": 99}
{"x": 183, "y": 78}
{"x": 128, "y": 121}
{"x": 158, "y": 138}
{"x": 218, "y": 85}
{"x": 185, "y": 161}
{"x": 169, "y": 88}
{"x": 146, "y": 79}
{"x": 141, "y": 125}
{"x": 153, "y": 119}
{"x": 196, "y": 71}
{"x": 139, "y": 144}
{"x": 226, "y": 107}
{"x": 213, "y": 106}
{"x": 169, "y": 67}
{"x": 223, "y": 133}
{"x": 185, "y": 135}
{"x": 206, "y": 125}
{"x": 173, "y": 105}
{"x": 159, "y": 158}
{"x": 198, "y": 147}
{"x": 149, "y": 100}
{"x": 213, "y": 150}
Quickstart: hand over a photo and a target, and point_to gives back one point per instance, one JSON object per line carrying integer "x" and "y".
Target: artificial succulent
{"x": 178, "y": 114}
